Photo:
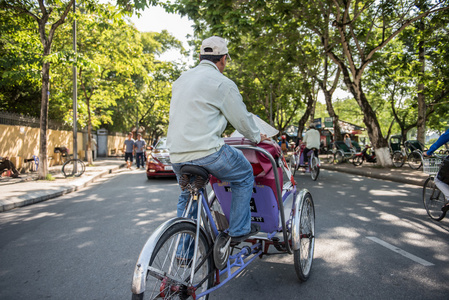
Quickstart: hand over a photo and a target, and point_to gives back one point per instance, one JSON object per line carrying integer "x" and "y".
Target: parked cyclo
{"x": 181, "y": 259}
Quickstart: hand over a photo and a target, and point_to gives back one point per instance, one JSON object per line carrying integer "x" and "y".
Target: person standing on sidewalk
{"x": 128, "y": 148}
{"x": 94, "y": 147}
{"x": 139, "y": 148}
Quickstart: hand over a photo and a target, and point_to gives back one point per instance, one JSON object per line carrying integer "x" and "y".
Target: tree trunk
{"x": 306, "y": 116}
{"x": 332, "y": 114}
{"x": 421, "y": 123}
{"x": 379, "y": 143}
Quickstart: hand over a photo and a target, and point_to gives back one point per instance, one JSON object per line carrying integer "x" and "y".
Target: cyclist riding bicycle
{"x": 442, "y": 178}
{"x": 311, "y": 141}
{"x": 203, "y": 101}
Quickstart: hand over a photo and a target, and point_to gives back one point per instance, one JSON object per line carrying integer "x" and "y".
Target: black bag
{"x": 443, "y": 174}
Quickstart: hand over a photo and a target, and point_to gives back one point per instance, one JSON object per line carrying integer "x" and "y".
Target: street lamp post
{"x": 75, "y": 92}
{"x": 137, "y": 118}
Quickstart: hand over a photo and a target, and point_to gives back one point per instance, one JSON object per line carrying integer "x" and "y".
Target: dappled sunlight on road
{"x": 42, "y": 215}
{"x": 83, "y": 229}
{"x": 388, "y": 192}
{"x": 359, "y": 217}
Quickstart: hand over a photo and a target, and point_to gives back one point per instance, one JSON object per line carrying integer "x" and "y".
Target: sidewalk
{"x": 26, "y": 190}
{"x": 402, "y": 175}
{"x": 17, "y": 192}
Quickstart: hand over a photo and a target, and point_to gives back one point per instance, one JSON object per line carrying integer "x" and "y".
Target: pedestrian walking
{"x": 128, "y": 148}
{"x": 139, "y": 148}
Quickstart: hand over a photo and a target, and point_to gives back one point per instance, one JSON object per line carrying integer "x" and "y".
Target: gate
{"x": 102, "y": 135}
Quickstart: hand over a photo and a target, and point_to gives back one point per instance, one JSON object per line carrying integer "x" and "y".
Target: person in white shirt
{"x": 203, "y": 101}
{"x": 312, "y": 141}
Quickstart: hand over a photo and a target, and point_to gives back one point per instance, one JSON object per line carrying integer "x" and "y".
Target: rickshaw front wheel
{"x": 303, "y": 257}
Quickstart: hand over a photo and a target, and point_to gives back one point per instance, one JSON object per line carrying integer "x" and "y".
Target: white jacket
{"x": 203, "y": 101}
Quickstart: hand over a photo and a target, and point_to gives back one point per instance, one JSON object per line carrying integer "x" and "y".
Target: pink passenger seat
{"x": 264, "y": 204}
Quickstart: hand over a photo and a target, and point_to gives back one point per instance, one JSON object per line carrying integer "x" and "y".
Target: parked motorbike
{"x": 359, "y": 158}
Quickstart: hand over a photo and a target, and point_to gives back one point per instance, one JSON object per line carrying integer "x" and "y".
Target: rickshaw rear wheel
{"x": 398, "y": 159}
{"x": 414, "y": 160}
{"x": 314, "y": 168}
{"x": 338, "y": 157}
{"x": 303, "y": 257}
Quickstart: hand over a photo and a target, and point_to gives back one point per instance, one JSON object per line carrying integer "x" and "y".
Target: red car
{"x": 158, "y": 164}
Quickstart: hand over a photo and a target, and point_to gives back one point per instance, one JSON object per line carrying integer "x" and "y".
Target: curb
{"x": 43, "y": 195}
{"x": 384, "y": 176}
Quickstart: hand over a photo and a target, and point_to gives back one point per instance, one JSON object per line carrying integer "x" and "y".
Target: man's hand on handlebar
{"x": 263, "y": 137}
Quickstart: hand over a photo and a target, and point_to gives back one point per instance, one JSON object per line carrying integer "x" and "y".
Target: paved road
{"x": 84, "y": 245}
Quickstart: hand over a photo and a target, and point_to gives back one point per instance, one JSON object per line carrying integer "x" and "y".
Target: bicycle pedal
{"x": 222, "y": 250}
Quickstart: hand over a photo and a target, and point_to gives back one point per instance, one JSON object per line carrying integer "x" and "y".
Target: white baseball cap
{"x": 217, "y": 44}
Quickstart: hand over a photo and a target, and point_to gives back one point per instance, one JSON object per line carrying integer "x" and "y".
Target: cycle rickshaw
{"x": 180, "y": 260}
{"x": 342, "y": 152}
{"x": 412, "y": 152}
{"x": 312, "y": 166}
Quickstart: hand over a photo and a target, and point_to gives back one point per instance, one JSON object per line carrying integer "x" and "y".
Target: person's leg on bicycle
{"x": 442, "y": 181}
{"x": 229, "y": 165}
{"x": 306, "y": 155}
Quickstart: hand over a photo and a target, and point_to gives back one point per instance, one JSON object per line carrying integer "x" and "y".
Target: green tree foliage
{"x": 48, "y": 16}
{"x": 113, "y": 63}
{"x": 116, "y": 66}
{"x": 267, "y": 55}
{"x": 359, "y": 31}
{"x": 20, "y": 64}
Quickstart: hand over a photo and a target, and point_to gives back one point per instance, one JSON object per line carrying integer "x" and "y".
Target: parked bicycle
{"x": 70, "y": 167}
{"x": 190, "y": 258}
{"x": 73, "y": 167}
{"x": 435, "y": 193}
{"x": 313, "y": 165}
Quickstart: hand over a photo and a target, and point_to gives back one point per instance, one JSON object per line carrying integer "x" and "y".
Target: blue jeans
{"x": 230, "y": 165}
{"x": 139, "y": 160}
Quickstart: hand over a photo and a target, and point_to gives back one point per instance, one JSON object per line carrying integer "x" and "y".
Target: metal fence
{"x": 7, "y": 118}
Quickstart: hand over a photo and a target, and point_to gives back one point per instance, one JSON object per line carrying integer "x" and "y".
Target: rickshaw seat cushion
{"x": 395, "y": 147}
{"x": 257, "y": 169}
{"x": 342, "y": 146}
{"x": 256, "y": 157}
{"x": 413, "y": 145}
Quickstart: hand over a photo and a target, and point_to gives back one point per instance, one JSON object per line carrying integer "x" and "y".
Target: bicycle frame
{"x": 237, "y": 262}
{"x": 299, "y": 154}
